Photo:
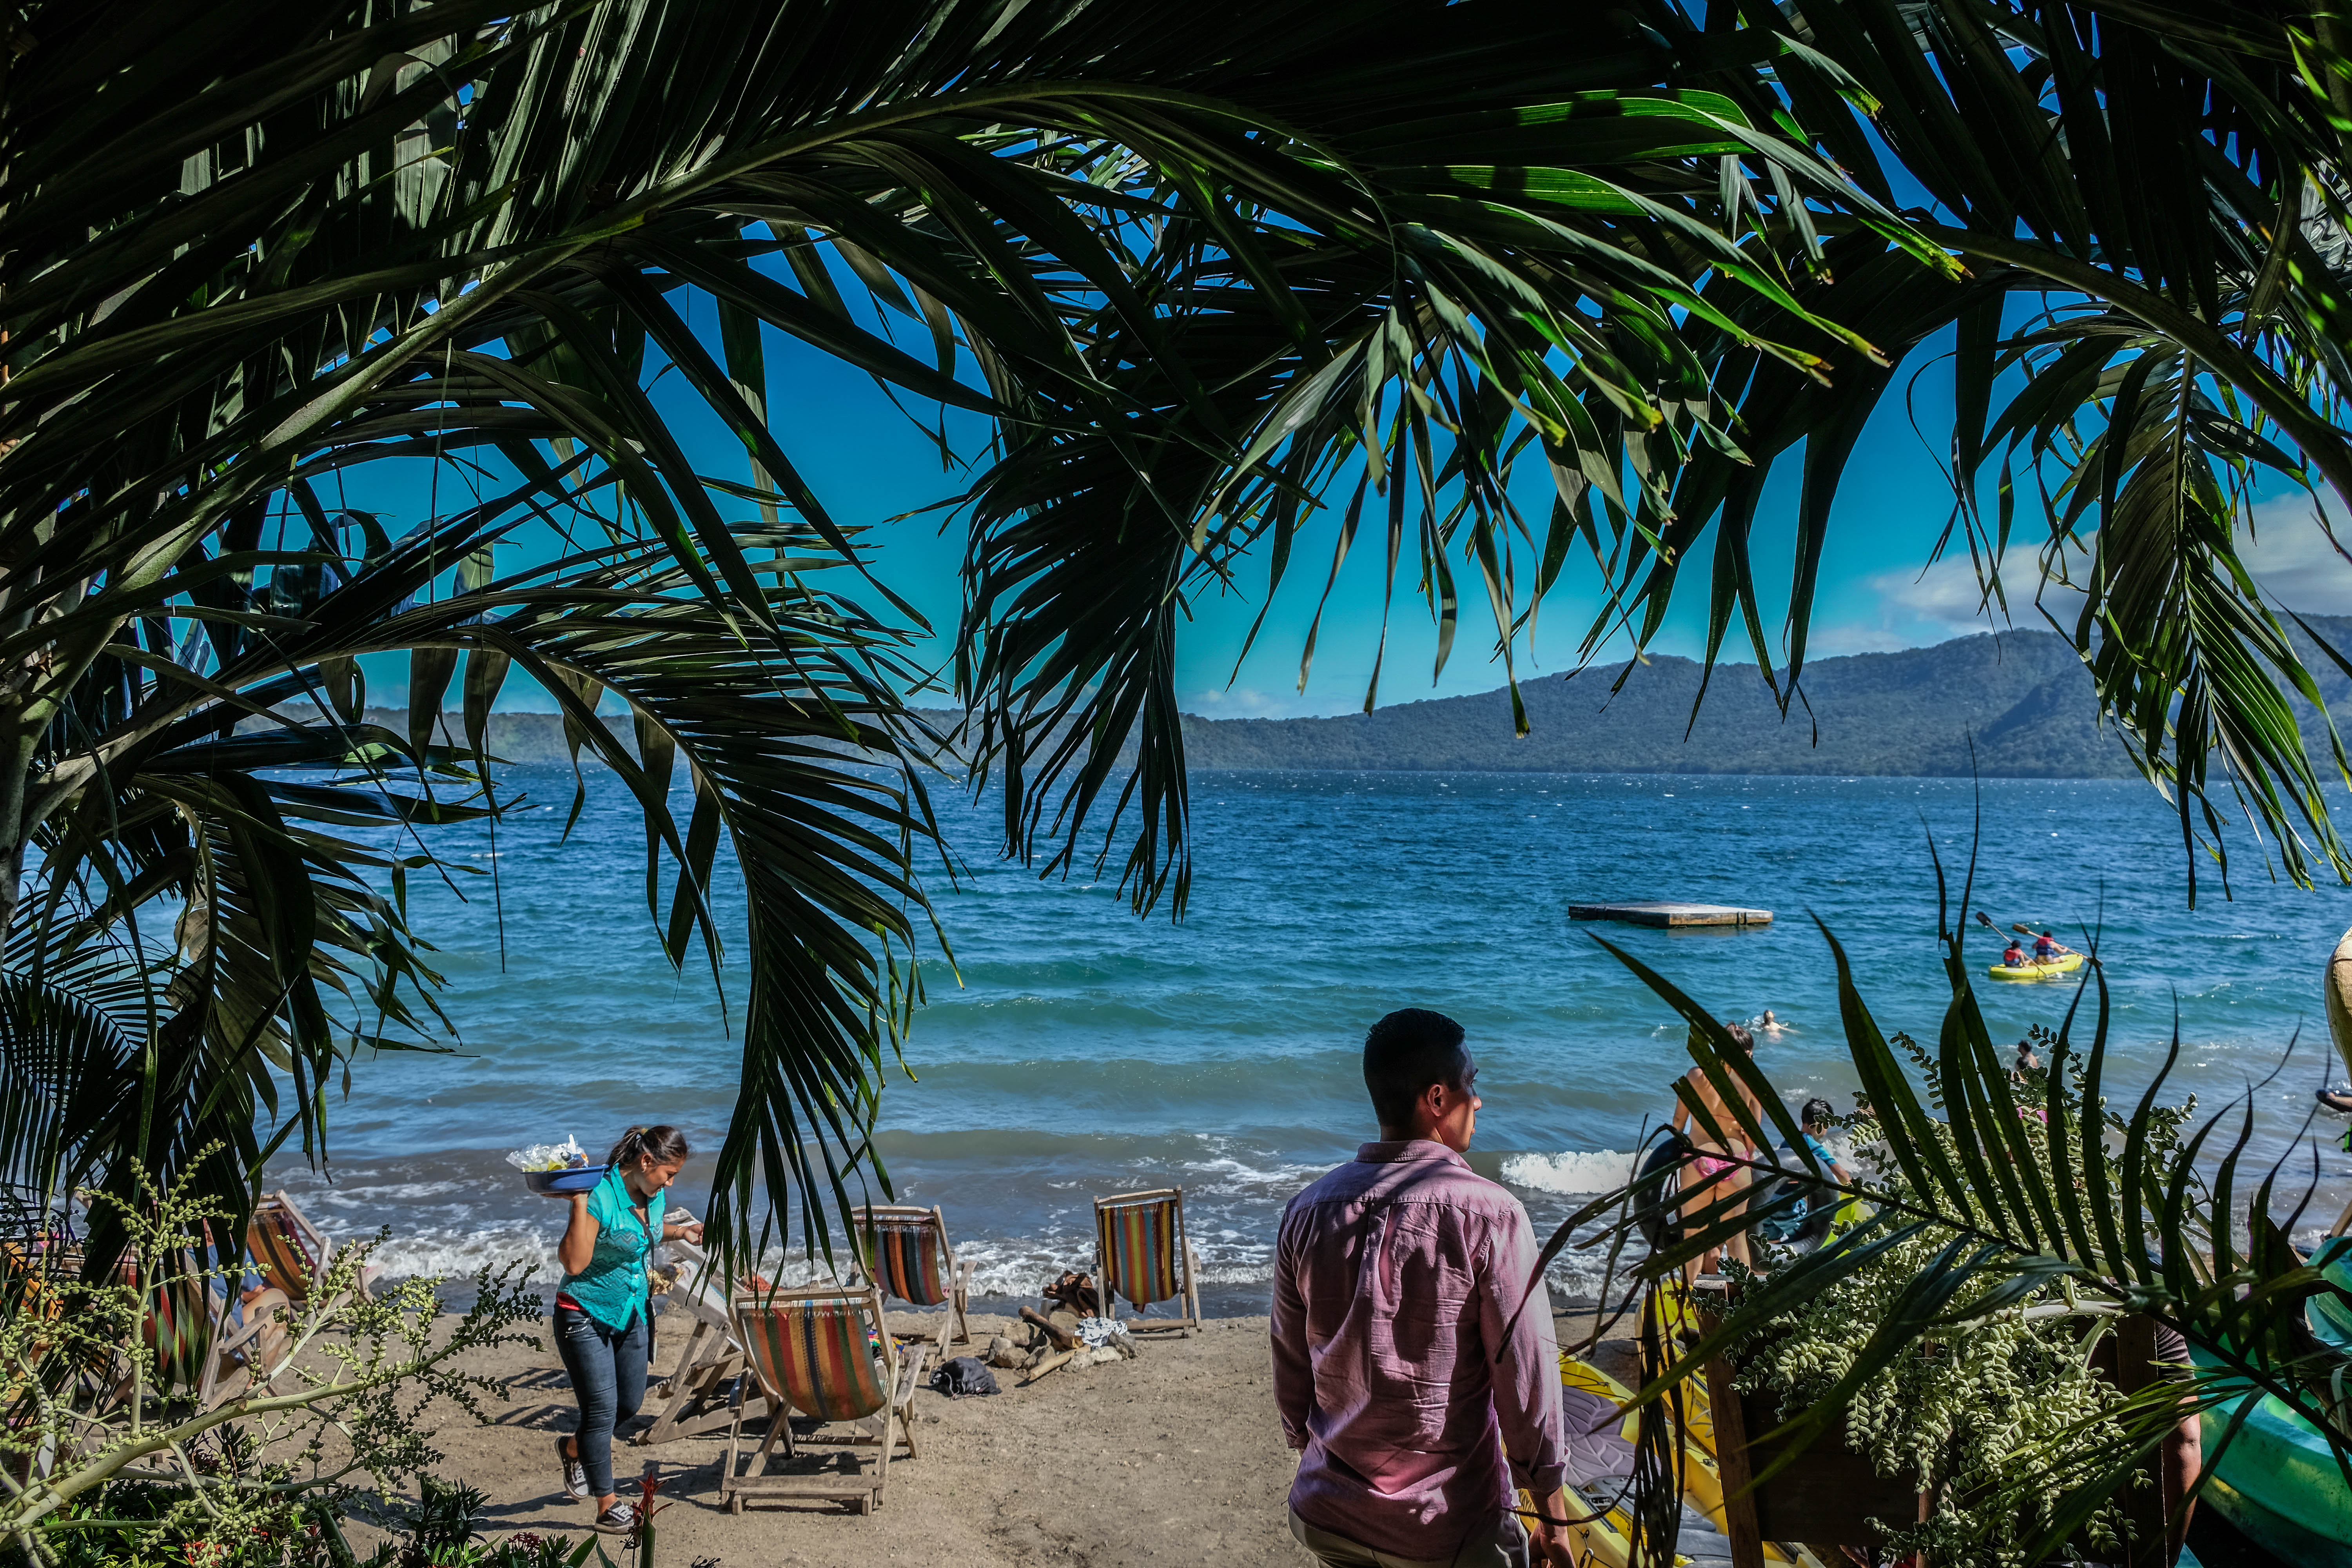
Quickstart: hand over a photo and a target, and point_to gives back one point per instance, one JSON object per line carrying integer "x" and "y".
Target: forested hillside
{"x": 2023, "y": 696}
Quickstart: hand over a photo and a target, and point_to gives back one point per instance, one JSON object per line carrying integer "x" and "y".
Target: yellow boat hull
{"x": 1607, "y": 1538}
{"x": 2064, "y": 963}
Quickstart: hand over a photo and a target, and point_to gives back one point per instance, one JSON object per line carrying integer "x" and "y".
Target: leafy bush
{"x": 1998, "y": 1409}
{"x": 109, "y": 1460}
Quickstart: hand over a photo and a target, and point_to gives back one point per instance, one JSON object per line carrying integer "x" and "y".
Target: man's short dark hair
{"x": 1741, "y": 1036}
{"x": 1406, "y": 1052}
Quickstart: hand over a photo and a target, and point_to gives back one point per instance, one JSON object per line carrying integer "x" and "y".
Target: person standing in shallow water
{"x": 602, "y": 1329}
{"x": 1418, "y": 1412}
{"x": 1714, "y": 1166}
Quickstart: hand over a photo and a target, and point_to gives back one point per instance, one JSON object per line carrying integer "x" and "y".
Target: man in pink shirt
{"x": 1417, "y": 1415}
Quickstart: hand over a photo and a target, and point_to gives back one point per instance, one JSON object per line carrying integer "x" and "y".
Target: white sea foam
{"x": 1231, "y": 1175}
{"x": 1573, "y": 1173}
{"x": 458, "y": 1253}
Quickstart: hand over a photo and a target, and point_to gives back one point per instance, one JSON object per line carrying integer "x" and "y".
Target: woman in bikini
{"x": 1711, "y": 1159}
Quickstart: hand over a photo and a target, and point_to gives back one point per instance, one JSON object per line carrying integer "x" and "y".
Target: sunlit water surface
{"x": 1076, "y": 1050}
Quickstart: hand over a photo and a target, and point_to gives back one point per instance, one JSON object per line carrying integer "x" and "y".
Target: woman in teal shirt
{"x": 602, "y": 1330}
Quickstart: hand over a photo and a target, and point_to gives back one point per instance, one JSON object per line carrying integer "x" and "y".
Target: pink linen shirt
{"x": 1393, "y": 1277}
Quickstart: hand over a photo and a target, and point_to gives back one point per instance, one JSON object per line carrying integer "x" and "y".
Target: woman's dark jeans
{"x": 608, "y": 1378}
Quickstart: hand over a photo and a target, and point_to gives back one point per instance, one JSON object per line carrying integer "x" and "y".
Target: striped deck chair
{"x": 905, "y": 1250}
{"x": 822, "y": 1353}
{"x": 292, "y": 1253}
{"x": 202, "y": 1338}
{"x": 1142, "y": 1253}
{"x": 694, "y": 1394}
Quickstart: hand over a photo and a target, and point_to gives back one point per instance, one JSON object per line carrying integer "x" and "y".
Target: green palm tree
{"x": 1208, "y": 277}
{"x": 1193, "y": 273}
{"x": 2151, "y": 205}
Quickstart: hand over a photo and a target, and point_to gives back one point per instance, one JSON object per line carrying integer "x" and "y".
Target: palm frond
{"x": 2148, "y": 185}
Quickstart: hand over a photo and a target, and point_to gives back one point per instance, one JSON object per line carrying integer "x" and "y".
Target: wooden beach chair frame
{"x": 229, "y": 1350}
{"x": 955, "y": 1274}
{"x": 1185, "y": 1264}
{"x": 693, "y": 1396}
{"x": 862, "y": 1488}
{"x": 320, "y": 1252}
{"x": 230, "y": 1367}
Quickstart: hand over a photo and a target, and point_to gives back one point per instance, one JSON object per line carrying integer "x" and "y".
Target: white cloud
{"x": 2294, "y": 561}
{"x": 1824, "y": 641}
{"x": 1947, "y": 601}
{"x": 1248, "y": 702}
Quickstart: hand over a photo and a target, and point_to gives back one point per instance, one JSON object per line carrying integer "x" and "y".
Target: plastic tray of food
{"x": 576, "y": 1179}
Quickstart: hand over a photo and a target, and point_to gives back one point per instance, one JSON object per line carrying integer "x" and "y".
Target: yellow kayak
{"x": 2051, "y": 970}
{"x": 1600, "y": 1450}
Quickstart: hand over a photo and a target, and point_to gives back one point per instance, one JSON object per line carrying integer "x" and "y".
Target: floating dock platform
{"x": 1659, "y": 912}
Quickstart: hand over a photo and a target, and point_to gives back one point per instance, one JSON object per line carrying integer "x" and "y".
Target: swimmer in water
{"x": 1768, "y": 1025}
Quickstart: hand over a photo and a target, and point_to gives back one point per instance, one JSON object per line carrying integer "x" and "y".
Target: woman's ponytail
{"x": 663, "y": 1142}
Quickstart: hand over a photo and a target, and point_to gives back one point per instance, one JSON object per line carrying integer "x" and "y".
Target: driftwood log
{"x": 1052, "y": 1363}
{"x": 1062, "y": 1337}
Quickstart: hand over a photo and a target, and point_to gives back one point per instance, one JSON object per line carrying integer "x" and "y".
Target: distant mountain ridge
{"x": 2023, "y": 696}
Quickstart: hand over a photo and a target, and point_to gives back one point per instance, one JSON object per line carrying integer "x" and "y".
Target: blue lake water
{"x": 1087, "y": 1051}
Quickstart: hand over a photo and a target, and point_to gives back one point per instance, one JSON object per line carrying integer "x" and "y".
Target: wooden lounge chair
{"x": 693, "y": 1396}
{"x": 905, "y": 1250}
{"x": 293, "y": 1254}
{"x": 822, "y": 1353}
{"x": 1142, "y": 1253}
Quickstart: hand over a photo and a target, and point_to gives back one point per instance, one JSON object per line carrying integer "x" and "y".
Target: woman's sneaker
{"x": 575, "y": 1474}
{"x": 618, "y": 1519}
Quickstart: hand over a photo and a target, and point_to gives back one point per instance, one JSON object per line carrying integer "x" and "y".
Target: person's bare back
{"x": 1702, "y": 1089}
{"x": 1713, "y": 1159}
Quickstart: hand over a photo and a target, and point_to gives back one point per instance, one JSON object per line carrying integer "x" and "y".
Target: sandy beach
{"x": 1173, "y": 1457}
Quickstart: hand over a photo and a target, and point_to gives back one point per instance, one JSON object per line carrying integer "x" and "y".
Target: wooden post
{"x": 1739, "y": 1522}
{"x": 1731, "y": 1456}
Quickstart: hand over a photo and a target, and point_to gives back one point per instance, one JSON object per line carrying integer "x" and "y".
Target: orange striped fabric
{"x": 281, "y": 1252}
{"x": 1139, "y": 1248}
{"x": 905, "y": 1254}
{"x": 817, "y": 1354}
{"x": 178, "y": 1326}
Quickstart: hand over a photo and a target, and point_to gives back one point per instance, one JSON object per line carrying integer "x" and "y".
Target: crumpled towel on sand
{"x": 1106, "y": 1334}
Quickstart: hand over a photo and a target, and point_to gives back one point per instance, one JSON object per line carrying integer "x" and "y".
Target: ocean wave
{"x": 1573, "y": 1173}
{"x": 460, "y": 1253}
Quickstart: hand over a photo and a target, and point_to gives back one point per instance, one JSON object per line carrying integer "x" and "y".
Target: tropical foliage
{"x": 1998, "y": 1408}
{"x": 1204, "y": 277}
{"x": 2152, "y": 205}
{"x": 2018, "y": 1202}
{"x": 1191, "y": 272}
{"x": 107, "y": 1460}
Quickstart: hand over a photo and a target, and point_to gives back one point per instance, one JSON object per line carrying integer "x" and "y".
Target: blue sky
{"x": 1877, "y": 590}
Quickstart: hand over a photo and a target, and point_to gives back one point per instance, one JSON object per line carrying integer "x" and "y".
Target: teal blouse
{"x": 612, "y": 1289}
